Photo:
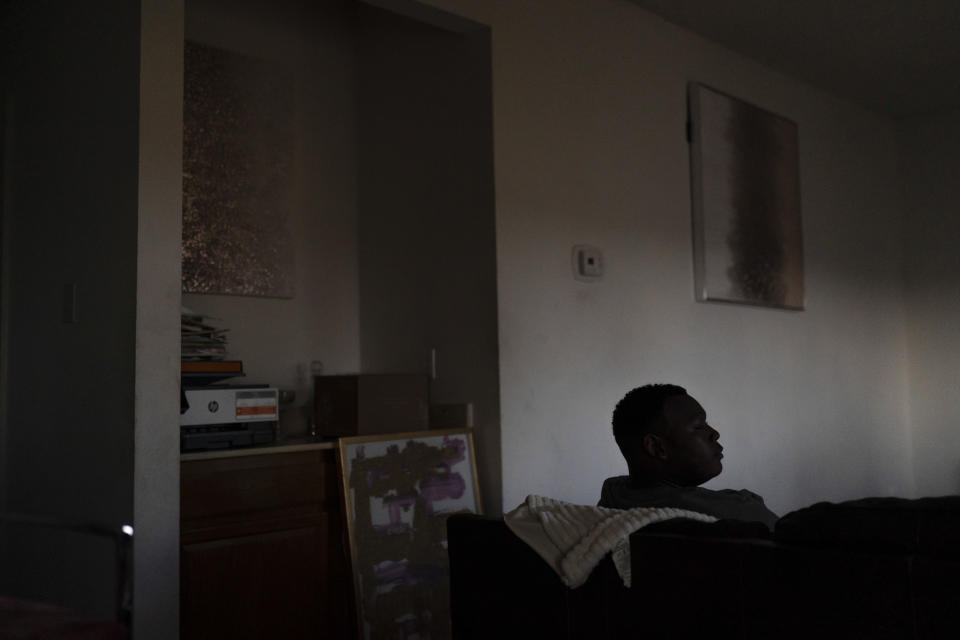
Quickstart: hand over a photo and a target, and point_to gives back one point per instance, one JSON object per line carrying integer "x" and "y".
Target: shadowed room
{"x": 286, "y": 286}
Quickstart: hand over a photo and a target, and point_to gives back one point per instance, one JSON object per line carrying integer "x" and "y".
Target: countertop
{"x": 285, "y": 445}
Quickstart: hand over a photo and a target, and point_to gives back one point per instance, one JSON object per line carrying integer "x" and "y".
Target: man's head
{"x": 664, "y": 435}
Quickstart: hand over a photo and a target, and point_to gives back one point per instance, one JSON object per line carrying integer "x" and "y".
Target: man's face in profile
{"x": 693, "y": 451}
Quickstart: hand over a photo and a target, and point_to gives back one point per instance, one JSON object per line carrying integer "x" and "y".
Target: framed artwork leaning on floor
{"x": 399, "y": 490}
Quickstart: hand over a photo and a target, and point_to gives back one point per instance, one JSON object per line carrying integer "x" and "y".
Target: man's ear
{"x": 653, "y": 446}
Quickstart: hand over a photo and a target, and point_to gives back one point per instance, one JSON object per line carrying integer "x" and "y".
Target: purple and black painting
{"x": 401, "y": 493}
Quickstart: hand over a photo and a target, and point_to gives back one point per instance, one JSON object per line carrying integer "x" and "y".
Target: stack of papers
{"x": 200, "y": 339}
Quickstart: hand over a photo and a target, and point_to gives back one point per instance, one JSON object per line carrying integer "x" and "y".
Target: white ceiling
{"x": 898, "y": 57}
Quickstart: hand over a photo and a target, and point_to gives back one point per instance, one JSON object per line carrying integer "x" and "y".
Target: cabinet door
{"x": 267, "y": 585}
{"x": 262, "y": 548}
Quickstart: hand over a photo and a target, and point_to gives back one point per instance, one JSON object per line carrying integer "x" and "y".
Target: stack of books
{"x": 203, "y": 350}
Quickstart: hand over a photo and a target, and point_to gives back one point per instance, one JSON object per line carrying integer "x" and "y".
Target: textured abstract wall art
{"x": 747, "y": 236}
{"x": 238, "y": 150}
{"x": 399, "y": 490}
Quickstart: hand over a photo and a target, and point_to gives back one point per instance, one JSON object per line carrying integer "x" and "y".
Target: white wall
{"x": 277, "y": 339}
{"x": 589, "y": 112}
{"x": 71, "y": 74}
{"x": 156, "y": 482}
{"x": 931, "y": 171}
{"x": 426, "y": 241}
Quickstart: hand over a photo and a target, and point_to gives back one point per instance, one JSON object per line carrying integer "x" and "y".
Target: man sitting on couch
{"x": 671, "y": 450}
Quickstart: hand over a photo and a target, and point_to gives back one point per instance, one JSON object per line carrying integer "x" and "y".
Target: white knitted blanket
{"x": 573, "y": 538}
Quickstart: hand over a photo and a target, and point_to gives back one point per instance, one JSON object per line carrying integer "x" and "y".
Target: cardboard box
{"x": 367, "y": 404}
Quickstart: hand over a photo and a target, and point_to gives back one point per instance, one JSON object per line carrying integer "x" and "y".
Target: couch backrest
{"x": 703, "y": 584}
{"x": 883, "y": 525}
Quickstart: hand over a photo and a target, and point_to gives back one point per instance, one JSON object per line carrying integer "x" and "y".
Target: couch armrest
{"x": 499, "y": 585}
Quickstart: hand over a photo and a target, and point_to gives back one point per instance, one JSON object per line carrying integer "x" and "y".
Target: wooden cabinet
{"x": 262, "y": 548}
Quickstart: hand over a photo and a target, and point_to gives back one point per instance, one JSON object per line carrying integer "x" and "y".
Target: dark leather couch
{"x": 874, "y": 568}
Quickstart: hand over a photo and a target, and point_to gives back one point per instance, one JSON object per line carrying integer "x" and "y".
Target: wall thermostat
{"x": 587, "y": 263}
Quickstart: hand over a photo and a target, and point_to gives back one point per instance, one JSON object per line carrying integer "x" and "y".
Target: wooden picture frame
{"x": 398, "y": 491}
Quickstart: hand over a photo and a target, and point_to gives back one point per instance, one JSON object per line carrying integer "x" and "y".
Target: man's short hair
{"x": 637, "y": 412}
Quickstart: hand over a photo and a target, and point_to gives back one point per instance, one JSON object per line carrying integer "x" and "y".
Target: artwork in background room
{"x": 399, "y": 490}
{"x": 238, "y": 151}
{"x": 747, "y": 237}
